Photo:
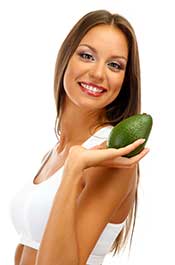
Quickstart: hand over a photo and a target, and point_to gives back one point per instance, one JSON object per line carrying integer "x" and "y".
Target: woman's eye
{"x": 86, "y": 56}
{"x": 115, "y": 66}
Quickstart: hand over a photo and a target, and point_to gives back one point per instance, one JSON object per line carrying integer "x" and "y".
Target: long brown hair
{"x": 127, "y": 103}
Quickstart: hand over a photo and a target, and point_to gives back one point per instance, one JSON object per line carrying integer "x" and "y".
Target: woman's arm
{"x": 18, "y": 254}
{"x": 72, "y": 229}
{"x": 59, "y": 243}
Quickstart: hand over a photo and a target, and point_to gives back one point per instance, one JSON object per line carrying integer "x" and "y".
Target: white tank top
{"x": 31, "y": 206}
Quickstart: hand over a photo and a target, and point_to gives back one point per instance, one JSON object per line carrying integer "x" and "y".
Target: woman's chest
{"x": 51, "y": 165}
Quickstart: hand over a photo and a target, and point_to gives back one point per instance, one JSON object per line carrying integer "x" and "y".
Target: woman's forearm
{"x": 59, "y": 244}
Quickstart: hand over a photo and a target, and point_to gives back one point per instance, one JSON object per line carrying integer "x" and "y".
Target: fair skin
{"x": 100, "y": 59}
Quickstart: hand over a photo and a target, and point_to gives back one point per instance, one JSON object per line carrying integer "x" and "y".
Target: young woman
{"x": 82, "y": 202}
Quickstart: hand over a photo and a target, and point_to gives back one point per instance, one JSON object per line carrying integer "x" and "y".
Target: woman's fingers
{"x": 123, "y": 150}
{"x": 130, "y": 162}
{"x": 112, "y": 155}
{"x": 101, "y": 156}
{"x": 139, "y": 156}
{"x": 124, "y": 162}
{"x": 129, "y": 148}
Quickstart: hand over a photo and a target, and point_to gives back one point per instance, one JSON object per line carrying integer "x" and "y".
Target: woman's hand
{"x": 82, "y": 158}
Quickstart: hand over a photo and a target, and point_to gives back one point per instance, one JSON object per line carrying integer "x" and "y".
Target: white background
{"x": 30, "y": 35}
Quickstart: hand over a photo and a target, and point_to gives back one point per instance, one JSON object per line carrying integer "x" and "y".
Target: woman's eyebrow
{"x": 113, "y": 56}
{"x": 89, "y": 46}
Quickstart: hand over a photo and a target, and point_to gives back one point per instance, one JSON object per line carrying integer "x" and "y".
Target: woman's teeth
{"x": 91, "y": 88}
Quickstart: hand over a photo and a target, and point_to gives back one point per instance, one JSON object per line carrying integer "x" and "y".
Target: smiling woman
{"x": 81, "y": 204}
{"x": 94, "y": 60}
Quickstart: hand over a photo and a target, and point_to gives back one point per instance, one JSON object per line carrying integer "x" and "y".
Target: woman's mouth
{"x": 91, "y": 89}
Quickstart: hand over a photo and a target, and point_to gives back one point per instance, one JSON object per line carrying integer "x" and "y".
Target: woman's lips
{"x": 89, "y": 91}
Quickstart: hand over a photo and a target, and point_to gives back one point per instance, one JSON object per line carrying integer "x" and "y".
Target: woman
{"x": 82, "y": 202}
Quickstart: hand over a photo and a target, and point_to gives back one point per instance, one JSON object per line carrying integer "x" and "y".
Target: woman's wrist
{"x": 74, "y": 163}
{"x": 72, "y": 177}
{"x": 73, "y": 168}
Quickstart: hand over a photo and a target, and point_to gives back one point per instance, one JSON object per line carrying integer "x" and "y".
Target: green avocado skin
{"x": 129, "y": 130}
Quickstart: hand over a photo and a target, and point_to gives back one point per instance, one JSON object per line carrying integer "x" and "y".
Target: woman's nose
{"x": 97, "y": 72}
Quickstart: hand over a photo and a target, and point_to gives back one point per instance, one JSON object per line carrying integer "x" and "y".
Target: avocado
{"x": 129, "y": 130}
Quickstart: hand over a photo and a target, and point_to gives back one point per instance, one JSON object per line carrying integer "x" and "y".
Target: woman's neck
{"x": 76, "y": 126}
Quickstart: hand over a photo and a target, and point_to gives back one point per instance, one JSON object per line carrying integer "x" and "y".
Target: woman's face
{"x": 96, "y": 70}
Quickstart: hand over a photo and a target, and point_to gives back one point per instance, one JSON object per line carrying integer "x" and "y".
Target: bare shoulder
{"x": 120, "y": 185}
{"x": 119, "y": 181}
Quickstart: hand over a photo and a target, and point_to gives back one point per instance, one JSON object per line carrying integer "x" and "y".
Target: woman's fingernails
{"x": 142, "y": 140}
